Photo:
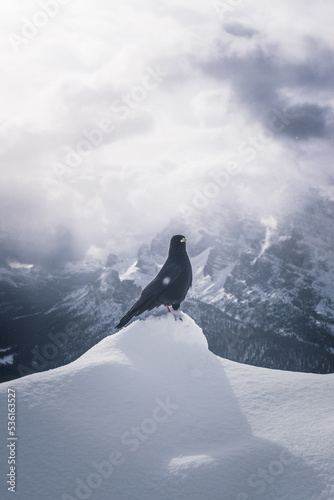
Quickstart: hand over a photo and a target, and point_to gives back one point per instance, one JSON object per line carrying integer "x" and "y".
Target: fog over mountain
{"x": 117, "y": 118}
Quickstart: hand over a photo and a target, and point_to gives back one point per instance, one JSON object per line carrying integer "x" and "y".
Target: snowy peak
{"x": 151, "y": 413}
{"x": 155, "y": 342}
{"x": 169, "y": 329}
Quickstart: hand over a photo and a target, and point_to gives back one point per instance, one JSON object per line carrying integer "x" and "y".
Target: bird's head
{"x": 178, "y": 242}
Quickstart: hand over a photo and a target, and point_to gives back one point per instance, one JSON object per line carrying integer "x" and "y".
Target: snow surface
{"x": 151, "y": 414}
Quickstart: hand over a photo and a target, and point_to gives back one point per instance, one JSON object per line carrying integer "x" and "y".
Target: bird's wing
{"x": 148, "y": 298}
{"x": 165, "y": 277}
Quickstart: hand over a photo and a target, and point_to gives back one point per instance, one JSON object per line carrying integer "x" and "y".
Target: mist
{"x": 117, "y": 119}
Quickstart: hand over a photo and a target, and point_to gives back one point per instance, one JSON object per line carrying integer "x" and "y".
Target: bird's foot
{"x": 177, "y": 315}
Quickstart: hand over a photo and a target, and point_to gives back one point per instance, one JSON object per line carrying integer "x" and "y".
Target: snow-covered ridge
{"x": 262, "y": 292}
{"x": 150, "y": 413}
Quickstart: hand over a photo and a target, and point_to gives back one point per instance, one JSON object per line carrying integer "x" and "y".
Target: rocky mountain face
{"x": 263, "y": 293}
{"x": 276, "y": 277}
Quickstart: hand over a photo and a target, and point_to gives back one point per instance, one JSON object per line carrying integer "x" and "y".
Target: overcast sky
{"x": 116, "y": 116}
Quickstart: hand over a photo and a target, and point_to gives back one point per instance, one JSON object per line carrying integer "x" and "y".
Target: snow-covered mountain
{"x": 262, "y": 292}
{"x": 150, "y": 413}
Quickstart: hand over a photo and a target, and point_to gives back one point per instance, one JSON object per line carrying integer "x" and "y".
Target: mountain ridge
{"x": 270, "y": 277}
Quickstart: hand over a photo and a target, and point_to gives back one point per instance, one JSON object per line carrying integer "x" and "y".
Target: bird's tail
{"x": 138, "y": 308}
{"x": 125, "y": 320}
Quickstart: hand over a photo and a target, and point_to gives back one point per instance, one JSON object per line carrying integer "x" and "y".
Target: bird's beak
{"x": 183, "y": 240}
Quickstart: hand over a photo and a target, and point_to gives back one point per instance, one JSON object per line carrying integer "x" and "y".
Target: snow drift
{"x": 150, "y": 413}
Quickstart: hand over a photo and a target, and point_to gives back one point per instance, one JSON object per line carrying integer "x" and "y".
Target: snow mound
{"x": 150, "y": 413}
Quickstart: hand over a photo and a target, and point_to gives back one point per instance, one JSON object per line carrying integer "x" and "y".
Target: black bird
{"x": 171, "y": 284}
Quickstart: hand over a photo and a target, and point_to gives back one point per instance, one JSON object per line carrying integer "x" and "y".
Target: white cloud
{"x": 225, "y": 76}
